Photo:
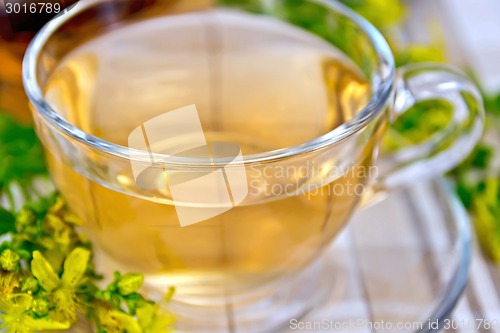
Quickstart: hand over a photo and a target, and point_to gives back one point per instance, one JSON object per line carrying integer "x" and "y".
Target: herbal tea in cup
{"x": 220, "y": 147}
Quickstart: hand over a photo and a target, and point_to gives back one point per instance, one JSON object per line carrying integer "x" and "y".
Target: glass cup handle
{"x": 445, "y": 149}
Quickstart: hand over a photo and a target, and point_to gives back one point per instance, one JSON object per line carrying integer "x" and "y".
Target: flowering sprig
{"x": 47, "y": 279}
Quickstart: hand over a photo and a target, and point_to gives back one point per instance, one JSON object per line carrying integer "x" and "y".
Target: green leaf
{"x": 20, "y": 152}
{"x": 418, "y": 124}
{"x": 7, "y": 221}
{"x": 381, "y": 13}
{"x": 481, "y": 156}
{"x": 492, "y": 104}
{"x": 465, "y": 194}
{"x": 75, "y": 267}
{"x": 130, "y": 283}
{"x": 419, "y": 53}
{"x": 44, "y": 272}
{"x": 134, "y": 301}
{"x": 487, "y": 226}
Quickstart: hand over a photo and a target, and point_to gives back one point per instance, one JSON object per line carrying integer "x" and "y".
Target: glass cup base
{"x": 267, "y": 309}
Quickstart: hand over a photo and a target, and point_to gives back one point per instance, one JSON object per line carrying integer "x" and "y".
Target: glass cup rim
{"x": 381, "y": 88}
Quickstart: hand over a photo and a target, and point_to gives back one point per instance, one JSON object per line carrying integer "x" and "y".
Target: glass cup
{"x": 219, "y": 146}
